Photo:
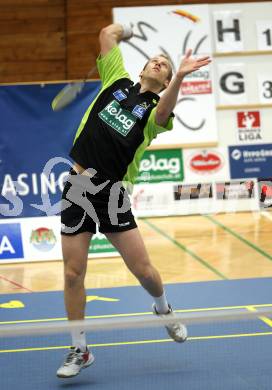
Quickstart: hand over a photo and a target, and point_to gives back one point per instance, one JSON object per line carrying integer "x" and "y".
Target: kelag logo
{"x": 161, "y": 165}
{"x": 10, "y": 241}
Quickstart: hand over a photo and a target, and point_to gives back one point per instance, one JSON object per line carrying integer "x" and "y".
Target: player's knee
{"x": 73, "y": 276}
{"x": 144, "y": 273}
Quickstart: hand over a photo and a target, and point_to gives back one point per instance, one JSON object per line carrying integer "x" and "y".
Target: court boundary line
{"x": 20, "y": 286}
{"x": 141, "y": 342}
{"x": 201, "y": 309}
{"x": 184, "y": 248}
{"x": 239, "y": 237}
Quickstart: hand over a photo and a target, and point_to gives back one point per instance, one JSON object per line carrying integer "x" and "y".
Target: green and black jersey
{"x": 118, "y": 125}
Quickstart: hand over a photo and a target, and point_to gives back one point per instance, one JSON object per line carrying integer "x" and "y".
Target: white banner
{"x": 228, "y": 31}
{"x": 162, "y": 199}
{"x": 232, "y": 84}
{"x": 172, "y": 30}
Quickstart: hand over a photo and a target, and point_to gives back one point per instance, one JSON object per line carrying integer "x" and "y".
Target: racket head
{"x": 66, "y": 95}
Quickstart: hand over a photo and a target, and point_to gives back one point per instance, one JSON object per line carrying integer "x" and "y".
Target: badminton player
{"x": 111, "y": 138}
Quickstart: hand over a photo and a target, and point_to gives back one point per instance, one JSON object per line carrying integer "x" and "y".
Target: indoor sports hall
{"x": 80, "y": 308}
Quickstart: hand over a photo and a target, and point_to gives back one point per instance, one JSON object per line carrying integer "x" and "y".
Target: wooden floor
{"x": 184, "y": 249}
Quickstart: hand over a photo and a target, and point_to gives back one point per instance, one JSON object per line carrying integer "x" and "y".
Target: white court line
{"x": 267, "y": 215}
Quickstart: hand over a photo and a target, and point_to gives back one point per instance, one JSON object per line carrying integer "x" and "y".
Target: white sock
{"x": 79, "y": 339}
{"x": 161, "y": 304}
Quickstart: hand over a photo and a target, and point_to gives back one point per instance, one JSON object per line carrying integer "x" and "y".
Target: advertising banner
{"x": 250, "y": 161}
{"x": 39, "y": 239}
{"x": 161, "y": 166}
{"x": 249, "y": 127}
{"x": 206, "y": 164}
{"x": 34, "y": 145}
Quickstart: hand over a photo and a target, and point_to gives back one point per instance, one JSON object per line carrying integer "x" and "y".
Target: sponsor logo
{"x": 161, "y": 165}
{"x": 197, "y": 83}
{"x": 249, "y": 126}
{"x": 124, "y": 224}
{"x": 250, "y": 161}
{"x": 119, "y": 95}
{"x": 116, "y": 117}
{"x": 206, "y": 162}
{"x": 236, "y": 154}
{"x": 10, "y": 241}
{"x": 145, "y": 105}
{"x": 43, "y": 239}
{"x": 196, "y": 87}
{"x": 138, "y": 111}
{"x": 100, "y": 244}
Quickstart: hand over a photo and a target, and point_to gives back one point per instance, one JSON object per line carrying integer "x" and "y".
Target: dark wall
{"x": 44, "y": 40}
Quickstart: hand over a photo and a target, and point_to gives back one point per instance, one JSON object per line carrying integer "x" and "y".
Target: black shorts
{"x": 88, "y": 203}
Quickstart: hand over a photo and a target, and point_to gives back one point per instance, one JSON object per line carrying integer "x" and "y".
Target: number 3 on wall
{"x": 265, "y": 88}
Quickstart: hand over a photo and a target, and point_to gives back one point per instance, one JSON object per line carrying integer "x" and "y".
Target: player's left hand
{"x": 189, "y": 64}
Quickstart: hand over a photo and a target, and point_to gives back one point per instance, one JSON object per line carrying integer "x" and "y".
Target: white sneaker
{"x": 177, "y": 331}
{"x": 74, "y": 362}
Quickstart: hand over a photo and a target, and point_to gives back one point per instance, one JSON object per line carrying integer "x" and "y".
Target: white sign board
{"x": 172, "y": 30}
{"x": 228, "y": 31}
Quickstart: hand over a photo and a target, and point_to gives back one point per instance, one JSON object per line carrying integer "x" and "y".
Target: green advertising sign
{"x": 100, "y": 244}
{"x": 161, "y": 165}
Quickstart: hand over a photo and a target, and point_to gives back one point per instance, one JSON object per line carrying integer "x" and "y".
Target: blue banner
{"x": 250, "y": 161}
{"x": 31, "y": 135}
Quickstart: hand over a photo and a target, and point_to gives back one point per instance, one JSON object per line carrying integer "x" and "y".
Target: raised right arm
{"x": 111, "y": 35}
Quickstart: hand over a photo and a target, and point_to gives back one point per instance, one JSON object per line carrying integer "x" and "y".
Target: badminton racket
{"x": 69, "y": 93}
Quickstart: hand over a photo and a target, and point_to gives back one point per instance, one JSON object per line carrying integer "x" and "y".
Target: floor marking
{"x": 185, "y": 249}
{"x": 239, "y": 237}
{"x": 12, "y": 305}
{"x": 266, "y": 320}
{"x": 141, "y": 342}
{"x": 15, "y": 283}
{"x": 91, "y": 298}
